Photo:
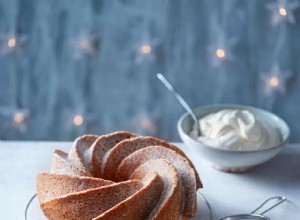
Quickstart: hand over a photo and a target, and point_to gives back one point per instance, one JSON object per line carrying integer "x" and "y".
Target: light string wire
{"x": 221, "y": 45}
{"x": 280, "y": 41}
{"x": 10, "y": 47}
{"x": 274, "y": 81}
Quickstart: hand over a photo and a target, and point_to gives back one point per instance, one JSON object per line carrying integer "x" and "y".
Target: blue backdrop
{"x": 73, "y": 67}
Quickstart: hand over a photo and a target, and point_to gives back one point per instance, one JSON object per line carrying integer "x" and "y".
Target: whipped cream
{"x": 236, "y": 130}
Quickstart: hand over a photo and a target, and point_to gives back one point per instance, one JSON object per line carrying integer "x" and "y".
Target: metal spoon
{"x": 171, "y": 88}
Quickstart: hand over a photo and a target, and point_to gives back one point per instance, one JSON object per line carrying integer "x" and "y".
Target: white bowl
{"x": 232, "y": 160}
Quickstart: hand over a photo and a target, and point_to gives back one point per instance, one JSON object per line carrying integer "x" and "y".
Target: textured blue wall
{"x": 83, "y": 57}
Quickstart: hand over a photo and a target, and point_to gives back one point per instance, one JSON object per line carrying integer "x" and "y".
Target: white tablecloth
{"x": 227, "y": 193}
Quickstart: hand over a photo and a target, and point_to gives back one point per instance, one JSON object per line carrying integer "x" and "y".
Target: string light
{"x": 16, "y": 117}
{"x": 220, "y": 53}
{"x": 145, "y": 49}
{"x": 12, "y": 42}
{"x": 145, "y": 52}
{"x": 78, "y": 120}
{"x": 273, "y": 81}
{"x": 19, "y": 118}
{"x": 147, "y": 124}
{"x": 282, "y": 11}
{"x": 84, "y": 44}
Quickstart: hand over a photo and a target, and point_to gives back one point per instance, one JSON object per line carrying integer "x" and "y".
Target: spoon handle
{"x": 280, "y": 199}
{"x": 171, "y": 88}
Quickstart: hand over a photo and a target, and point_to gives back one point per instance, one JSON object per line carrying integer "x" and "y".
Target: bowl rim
{"x": 281, "y": 144}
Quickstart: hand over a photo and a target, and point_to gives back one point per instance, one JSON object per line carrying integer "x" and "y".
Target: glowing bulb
{"x": 146, "y": 123}
{"x": 282, "y": 11}
{"x": 19, "y": 118}
{"x": 84, "y": 44}
{"x": 11, "y": 42}
{"x": 145, "y": 49}
{"x": 220, "y": 53}
{"x": 78, "y": 120}
{"x": 273, "y": 81}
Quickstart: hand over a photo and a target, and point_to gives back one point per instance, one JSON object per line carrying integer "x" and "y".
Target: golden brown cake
{"x": 119, "y": 176}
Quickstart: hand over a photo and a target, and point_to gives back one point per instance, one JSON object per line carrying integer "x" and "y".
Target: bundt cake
{"x": 119, "y": 176}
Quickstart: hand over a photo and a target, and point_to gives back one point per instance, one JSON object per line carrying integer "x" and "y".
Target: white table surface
{"x": 227, "y": 193}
